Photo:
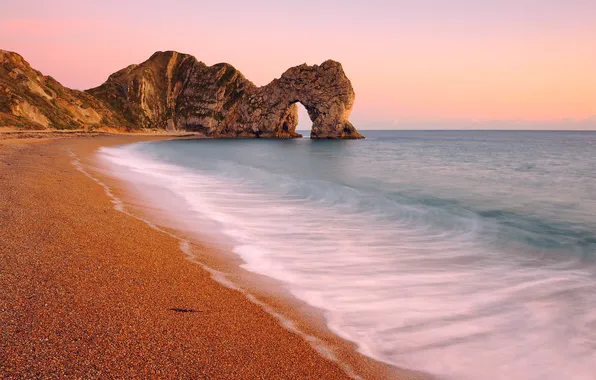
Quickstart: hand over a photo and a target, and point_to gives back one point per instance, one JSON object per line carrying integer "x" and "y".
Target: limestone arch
{"x": 327, "y": 95}
{"x": 324, "y": 91}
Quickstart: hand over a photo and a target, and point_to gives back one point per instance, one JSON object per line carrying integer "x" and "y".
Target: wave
{"x": 220, "y": 277}
{"x": 414, "y": 281}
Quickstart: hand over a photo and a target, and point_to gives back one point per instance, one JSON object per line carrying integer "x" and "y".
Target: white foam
{"x": 222, "y": 278}
{"x": 405, "y": 291}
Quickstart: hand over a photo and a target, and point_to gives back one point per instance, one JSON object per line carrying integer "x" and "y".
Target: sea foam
{"x": 415, "y": 274}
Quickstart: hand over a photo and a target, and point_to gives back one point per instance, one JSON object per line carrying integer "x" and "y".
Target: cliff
{"x": 31, "y": 100}
{"x": 174, "y": 91}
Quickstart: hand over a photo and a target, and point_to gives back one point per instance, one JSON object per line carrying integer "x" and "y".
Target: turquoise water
{"x": 467, "y": 254}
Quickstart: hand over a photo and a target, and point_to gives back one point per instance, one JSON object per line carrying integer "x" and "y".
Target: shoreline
{"x": 273, "y": 350}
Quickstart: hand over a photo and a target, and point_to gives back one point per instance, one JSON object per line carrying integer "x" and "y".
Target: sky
{"x": 523, "y": 64}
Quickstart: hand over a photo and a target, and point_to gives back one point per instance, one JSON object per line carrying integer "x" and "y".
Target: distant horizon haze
{"x": 460, "y": 64}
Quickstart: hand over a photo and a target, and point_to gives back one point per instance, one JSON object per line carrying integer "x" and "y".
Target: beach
{"x": 89, "y": 291}
{"x": 407, "y": 191}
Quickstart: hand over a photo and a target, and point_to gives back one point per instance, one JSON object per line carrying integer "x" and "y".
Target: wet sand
{"x": 88, "y": 291}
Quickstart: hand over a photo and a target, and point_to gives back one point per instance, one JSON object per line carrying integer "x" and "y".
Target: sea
{"x": 464, "y": 254}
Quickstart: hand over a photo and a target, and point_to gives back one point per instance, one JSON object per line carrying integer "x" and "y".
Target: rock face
{"x": 174, "y": 91}
{"x": 325, "y": 92}
{"x": 31, "y": 100}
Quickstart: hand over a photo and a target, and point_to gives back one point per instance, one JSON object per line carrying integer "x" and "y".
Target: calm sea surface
{"x": 467, "y": 254}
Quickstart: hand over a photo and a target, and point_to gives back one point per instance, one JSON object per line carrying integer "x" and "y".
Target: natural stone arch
{"x": 324, "y": 91}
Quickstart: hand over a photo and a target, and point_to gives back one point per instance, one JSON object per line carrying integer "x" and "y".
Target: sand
{"x": 90, "y": 292}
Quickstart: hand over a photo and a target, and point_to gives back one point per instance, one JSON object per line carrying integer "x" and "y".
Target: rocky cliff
{"x": 31, "y": 100}
{"x": 174, "y": 91}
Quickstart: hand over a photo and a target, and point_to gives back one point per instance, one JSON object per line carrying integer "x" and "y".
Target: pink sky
{"x": 416, "y": 64}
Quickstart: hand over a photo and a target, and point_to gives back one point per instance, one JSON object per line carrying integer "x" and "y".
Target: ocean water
{"x": 466, "y": 254}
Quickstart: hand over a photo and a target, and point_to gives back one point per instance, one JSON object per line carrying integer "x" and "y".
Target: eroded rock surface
{"x": 31, "y": 100}
{"x": 325, "y": 92}
{"x": 174, "y": 91}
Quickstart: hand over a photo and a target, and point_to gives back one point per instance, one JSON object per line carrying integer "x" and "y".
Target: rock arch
{"x": 324, "y": 91}
{"x": 327, "y": 94}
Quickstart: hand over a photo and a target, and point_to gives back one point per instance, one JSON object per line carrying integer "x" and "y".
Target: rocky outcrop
{"x": 174, "y": 91}
{"x": 31, "y": 100}
{"x": 325, "y": 92}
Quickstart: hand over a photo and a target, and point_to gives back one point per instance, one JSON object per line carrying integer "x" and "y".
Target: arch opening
{"x": 304, "y": 122}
